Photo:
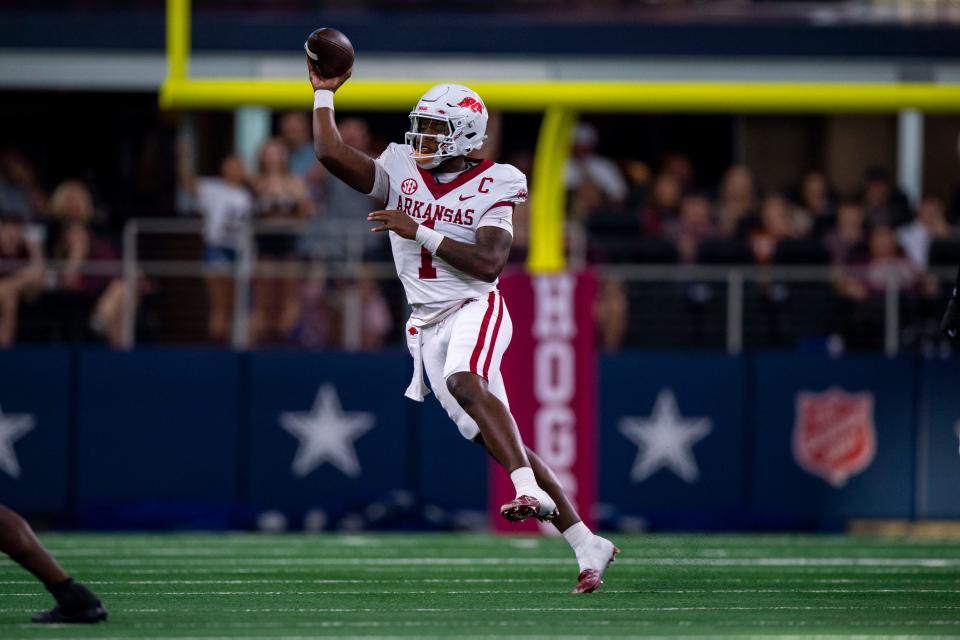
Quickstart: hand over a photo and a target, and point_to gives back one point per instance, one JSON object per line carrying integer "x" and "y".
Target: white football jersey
{"x": 483, "y": 195}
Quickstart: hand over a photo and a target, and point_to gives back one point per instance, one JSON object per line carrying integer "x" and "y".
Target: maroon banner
{"x": 550, "y": 374}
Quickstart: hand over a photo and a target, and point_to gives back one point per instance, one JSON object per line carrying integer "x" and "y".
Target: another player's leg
{"x": 594, "y": 553}
{"x": 75, "y": 603}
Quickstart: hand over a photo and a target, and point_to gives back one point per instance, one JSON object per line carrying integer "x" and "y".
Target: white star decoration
{"x": 12, "y": 427}
{"x": 326, "y": 434}
{"x": 665, "y": 440}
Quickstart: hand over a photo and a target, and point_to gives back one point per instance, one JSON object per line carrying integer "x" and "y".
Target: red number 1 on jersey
{"x": 427, "y": 270}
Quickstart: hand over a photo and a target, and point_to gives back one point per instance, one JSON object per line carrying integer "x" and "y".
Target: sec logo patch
{"x": 408, "y": 186}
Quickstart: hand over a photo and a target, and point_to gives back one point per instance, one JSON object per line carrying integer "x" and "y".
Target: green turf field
{"x": 467, "y": 586}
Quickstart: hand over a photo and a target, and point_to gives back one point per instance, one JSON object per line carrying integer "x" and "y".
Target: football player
{"x": 75, "y": 603}
{"x": 449, "y": 219}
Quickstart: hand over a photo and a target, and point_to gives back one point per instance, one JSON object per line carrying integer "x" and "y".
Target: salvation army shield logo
{"x": 834, "y": 435}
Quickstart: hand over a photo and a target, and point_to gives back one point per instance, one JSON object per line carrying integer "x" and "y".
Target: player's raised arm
{"x": 350, "y": 165}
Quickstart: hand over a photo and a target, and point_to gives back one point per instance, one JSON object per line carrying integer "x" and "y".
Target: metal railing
{"x": 351, "y": 264}
{"x": 736, "y": 277}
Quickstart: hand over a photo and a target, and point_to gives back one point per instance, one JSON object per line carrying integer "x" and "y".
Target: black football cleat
{"x": 76, "y": 604}
{"x": 89, "y": 615}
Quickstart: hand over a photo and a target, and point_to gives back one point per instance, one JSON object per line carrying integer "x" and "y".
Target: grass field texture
{"x": 472, "y": 586}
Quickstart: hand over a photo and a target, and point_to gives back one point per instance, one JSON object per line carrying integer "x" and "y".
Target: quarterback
{"x": 449, "y": 219}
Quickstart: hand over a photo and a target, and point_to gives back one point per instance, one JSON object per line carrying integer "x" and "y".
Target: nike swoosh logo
{"x": 462, "y": 198}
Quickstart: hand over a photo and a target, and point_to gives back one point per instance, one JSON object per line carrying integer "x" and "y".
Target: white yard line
{"x": 552, "y": 636}
{"x": 318, "y": 581}
{"x": 373, "y": 592}
{"x": 259, "y": 610}
{"x": 486, "y": 562}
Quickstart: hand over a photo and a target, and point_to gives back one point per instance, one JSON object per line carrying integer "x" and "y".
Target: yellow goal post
{"x": 558, "y": 100}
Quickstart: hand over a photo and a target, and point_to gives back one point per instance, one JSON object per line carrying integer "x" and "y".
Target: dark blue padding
{"x": 158, "y": 425}
{"x": 490, "y": 33}
{"x": 781, "y": 489}
{"x": 38, "y": 382}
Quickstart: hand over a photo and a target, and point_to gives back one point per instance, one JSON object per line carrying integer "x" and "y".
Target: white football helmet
{"x": 465, "y": 121}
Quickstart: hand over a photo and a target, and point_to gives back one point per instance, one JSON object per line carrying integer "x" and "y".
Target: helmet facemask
{"x": 431, "y": 145}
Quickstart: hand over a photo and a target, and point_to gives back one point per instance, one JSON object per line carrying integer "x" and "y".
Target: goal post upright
{"x": 178, "y": 39}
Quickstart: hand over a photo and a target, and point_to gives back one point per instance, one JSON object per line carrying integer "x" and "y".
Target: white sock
{"x": 578, "y": 536}
{"x": 524, "y": 482}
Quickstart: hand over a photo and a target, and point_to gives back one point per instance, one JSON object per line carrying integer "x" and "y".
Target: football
{"x": 330, "y": 52}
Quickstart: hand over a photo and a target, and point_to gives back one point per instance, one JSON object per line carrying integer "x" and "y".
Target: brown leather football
{"x": 330, "y": 52}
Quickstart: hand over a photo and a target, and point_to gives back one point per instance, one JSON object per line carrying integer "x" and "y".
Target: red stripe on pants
{"x": 475, "y": 358}
{"x": 493, "y": 340}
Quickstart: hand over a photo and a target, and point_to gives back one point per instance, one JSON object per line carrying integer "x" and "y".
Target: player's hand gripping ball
{"x": 329, "y": 53}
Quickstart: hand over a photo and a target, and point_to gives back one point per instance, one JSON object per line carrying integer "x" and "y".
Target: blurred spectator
{"x": 664, "y": 205}
{"x": 587, "y": 169}
{"x": 282, "y": 199}
{"x": 886, "y": 264}
{"x": 20, "y": 193}
{"x": 226, "y": 206}
{"x": 737, "y": 200}
{"x": 846, "y": 241}
{"x": 678, "y": 165}
{"x": 295, "y": 131}
{"x": 816, "y": 203}
{"x": 585, "y": 201}
{"x": 693, "y": 225}
{"x": 375, "y": 319}
{"x": 638, "y": 184}
{"x": 610, "y": 313}
{"x": 929, "y": 224}
{"x": 883, "y": 203}
{"x": 339, "y": 233}
{"x": 344, "y": 214}
{"x": 863, "y": 288}
{"x": 296, "y": 135}
{"x": 775, "y": 224}
{"x": 81, "y": 250}
{"x": 319, "y": 326}
{"x": 327, "y": 307}
{"x": 21, "y": 272}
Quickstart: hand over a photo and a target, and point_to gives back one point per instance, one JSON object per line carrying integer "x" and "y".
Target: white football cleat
{"x": 599, "y": 555}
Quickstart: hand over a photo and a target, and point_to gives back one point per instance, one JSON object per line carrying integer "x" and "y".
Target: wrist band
{"x": 322, "y": 99}
{"x": 429, "y": 239}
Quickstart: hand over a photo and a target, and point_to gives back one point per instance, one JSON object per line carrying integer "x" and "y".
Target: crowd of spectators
{"x": 298, "y": 224}
{"x": 871, "y": 237}
{"x": 53, "y": 250}
{"x": 300, "y": 219}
